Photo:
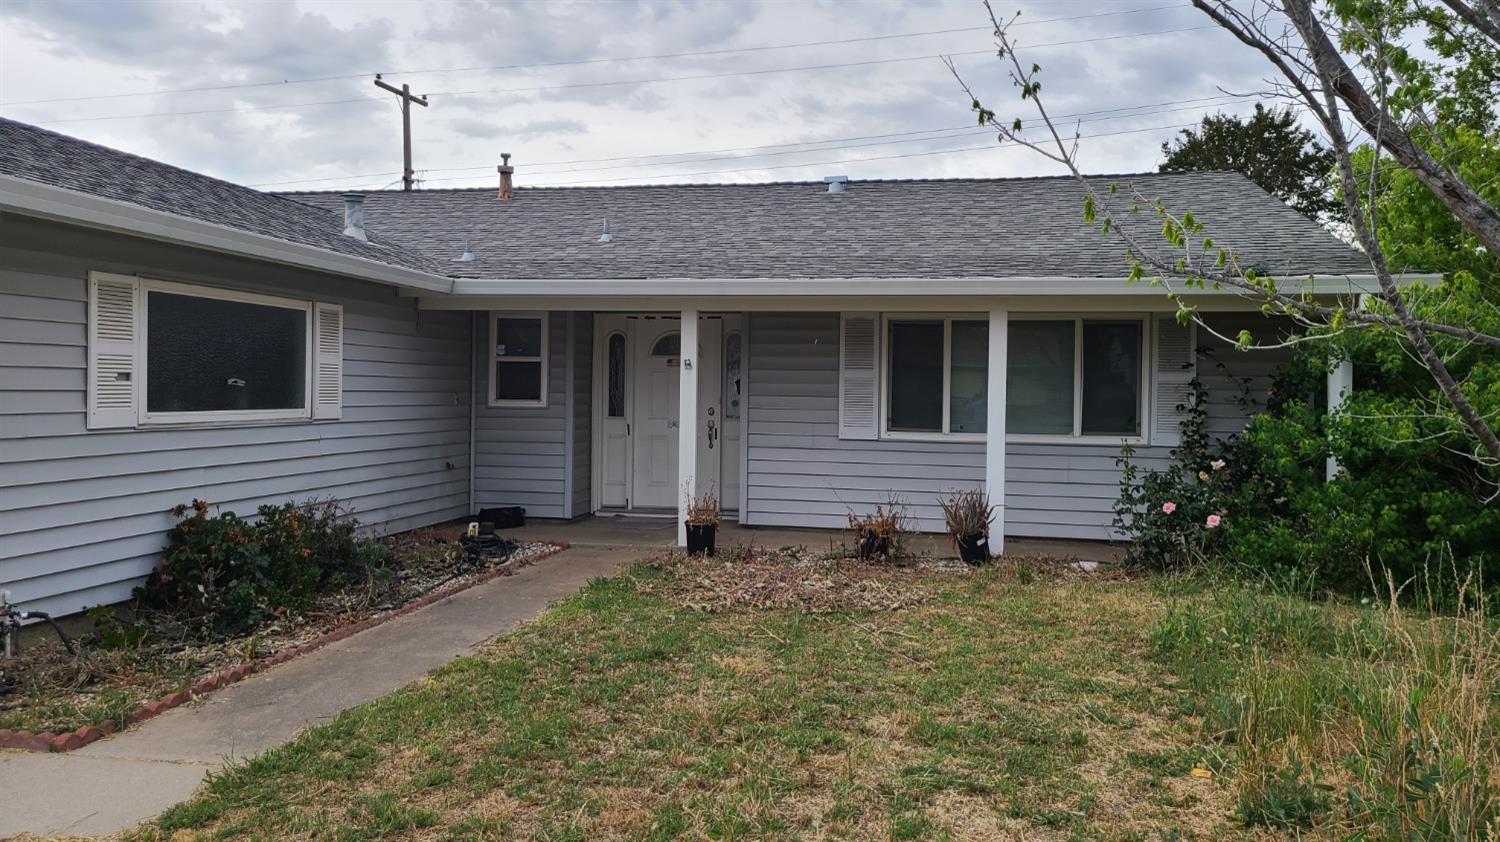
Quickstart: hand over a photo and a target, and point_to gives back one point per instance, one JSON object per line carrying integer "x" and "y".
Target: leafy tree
{"x": 1352, "y": 67}
{"x": 1270, "y": 149}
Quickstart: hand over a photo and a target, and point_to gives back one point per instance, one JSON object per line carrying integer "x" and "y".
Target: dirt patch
{"x": 52, "y": 690}
{"x": 795, "y": 579}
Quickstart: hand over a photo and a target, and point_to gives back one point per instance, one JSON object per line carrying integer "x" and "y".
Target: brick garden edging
{"x": 70, "y": 740}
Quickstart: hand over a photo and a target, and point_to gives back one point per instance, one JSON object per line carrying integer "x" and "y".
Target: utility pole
{"x": 406, "y": 100}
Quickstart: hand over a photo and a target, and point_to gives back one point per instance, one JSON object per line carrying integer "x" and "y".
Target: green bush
{"x": 227, "y": 575}
{"x": 1408, "y": 505}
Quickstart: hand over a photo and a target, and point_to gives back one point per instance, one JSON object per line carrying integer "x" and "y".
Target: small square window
{"x": 518, "y": 359}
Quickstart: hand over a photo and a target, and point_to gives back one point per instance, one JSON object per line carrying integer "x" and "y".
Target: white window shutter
{"x": 1173, "y": 370}
{"x": 114, "y": 326}
{"x": 328, "y": 368}
{"x": 859, "y": 376}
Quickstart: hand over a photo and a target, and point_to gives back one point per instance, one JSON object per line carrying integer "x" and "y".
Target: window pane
{"x": 732, "y": 375}
{"x": 617, "y": 375}
{"x": 1039, "y": 378}
{"x": 208, "y": 354}
{"x": 916, "y": 377}
{"x": 1112, "y": 378}
{"x": 668, "y": 346}
{"x": 969, "y": 381}
{"x": 518, "y": 337}
{"x": 518, "y": 381}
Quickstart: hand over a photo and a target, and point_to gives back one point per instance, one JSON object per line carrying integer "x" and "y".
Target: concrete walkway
{"x": 115, "y": 783}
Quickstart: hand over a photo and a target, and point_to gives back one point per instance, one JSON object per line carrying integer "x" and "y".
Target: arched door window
{"x": 617, "y": 375}
{"x": 669, "y": 345}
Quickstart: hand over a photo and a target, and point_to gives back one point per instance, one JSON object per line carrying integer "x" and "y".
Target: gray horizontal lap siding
{"x": 84, "y": 514}
{"x": 802, "y": 474}
{"x": 583, "y": 403}
{"x": 519, "y": 452}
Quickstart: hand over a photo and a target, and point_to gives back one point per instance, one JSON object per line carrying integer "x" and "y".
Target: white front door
{"x": 639, "y": 374}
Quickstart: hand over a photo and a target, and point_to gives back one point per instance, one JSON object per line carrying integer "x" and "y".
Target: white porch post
{"x": 687, "y": 423}
{"x": 994, "y": 447}
{"x": 1340, "y": 384}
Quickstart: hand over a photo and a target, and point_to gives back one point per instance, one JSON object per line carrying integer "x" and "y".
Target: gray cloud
{"x": 65, "y": 49}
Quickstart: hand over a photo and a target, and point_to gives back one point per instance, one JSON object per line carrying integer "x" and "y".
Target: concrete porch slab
{"x": 661, "y": 532}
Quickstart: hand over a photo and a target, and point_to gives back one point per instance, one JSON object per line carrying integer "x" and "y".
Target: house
{"x": 802, "y": 349}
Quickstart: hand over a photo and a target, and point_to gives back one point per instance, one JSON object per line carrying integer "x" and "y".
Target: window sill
{"x": 223, "y": 423}
{"x": 517, "y": 404}
{"x": 1018, "y": 438}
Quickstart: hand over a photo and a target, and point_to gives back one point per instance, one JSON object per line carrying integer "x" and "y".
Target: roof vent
{"x": 836, "y": 183}
{"x": 467, "y": 256}
{"x": 606, "y": 237}
{"x": 506, "y": 190}
{"x": 354, "y": 216}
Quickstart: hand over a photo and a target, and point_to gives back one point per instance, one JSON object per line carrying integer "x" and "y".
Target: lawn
{"x": 1008, "y": 702}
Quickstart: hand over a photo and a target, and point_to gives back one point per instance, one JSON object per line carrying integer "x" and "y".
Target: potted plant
{"x": 878, "y": 535}
{"x": 969, "y": 514}
{"x": 702, "y": 524}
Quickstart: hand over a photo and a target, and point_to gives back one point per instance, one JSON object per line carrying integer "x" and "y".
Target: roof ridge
{"x": 786, "y": 183}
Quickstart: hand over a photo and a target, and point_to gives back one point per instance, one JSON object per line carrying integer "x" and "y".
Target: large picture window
{"x": 1066, "y": 377}
{"x": 1075, "y": 377}
{"x": 936, "y": 381}
{"x": 518, "y": 359}
{"x": 213, "y": 355}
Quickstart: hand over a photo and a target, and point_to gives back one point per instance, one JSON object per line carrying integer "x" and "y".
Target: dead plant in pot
{"x": 969, "y": 514}
{"x": 703, "y": 524}
{"x": 878, "y": 534}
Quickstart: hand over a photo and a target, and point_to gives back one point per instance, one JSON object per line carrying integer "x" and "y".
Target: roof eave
{"x": 858, "y": 287}
{"x": 59, "y": 204}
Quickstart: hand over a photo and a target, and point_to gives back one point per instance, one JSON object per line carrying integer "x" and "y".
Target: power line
{"x": 615, "y": 83}
{"x": 579, "y": 62}
{"x": 850, "y": 160}
{"x": 909, "y": 137}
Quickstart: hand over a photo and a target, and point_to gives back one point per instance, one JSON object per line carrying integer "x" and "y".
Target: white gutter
{"x": 44, "y": 201}
{"x": 557, "y": 288}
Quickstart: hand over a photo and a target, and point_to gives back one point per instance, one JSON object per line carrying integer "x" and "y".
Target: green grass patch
{"x": 999, "y": 706}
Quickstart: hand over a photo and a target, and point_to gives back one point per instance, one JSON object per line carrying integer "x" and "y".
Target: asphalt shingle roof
{"x": 909, "y": 228}
{"x": 39, "y": 155}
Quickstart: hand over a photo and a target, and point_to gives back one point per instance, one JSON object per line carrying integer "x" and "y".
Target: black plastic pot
{"x": 700, "y": 538}
{"x": 871, "y": 545}
{"x": 974, "y": 549}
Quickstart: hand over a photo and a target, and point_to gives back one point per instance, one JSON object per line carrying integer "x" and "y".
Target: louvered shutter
{"x": 859, "y": 376}
{"x": 1174, "y": 368}
{"x": 114, "y": 324}
{"x": 328, "y": 369}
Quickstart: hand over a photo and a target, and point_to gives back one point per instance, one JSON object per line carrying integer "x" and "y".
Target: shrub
{"x": 227, "y": 575}
{"x": 1404, "y": 497}
{"x": 1175, "y": 517}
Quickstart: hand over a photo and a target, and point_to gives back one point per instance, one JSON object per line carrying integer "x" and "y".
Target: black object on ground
{"x": 487, "y": 546}
{"x": 503, "y": 517}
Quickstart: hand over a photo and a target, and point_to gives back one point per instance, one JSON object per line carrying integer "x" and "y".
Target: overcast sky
{"x": 343, "y": 132}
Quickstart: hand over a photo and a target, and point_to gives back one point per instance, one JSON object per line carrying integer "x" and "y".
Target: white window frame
{"x": 545, "y": 319}
{"x": 1077, "y": 437}
{"x": 885, "y": 375}
{"x": 1144, "y": 391}
{"x": 220, "y": 416}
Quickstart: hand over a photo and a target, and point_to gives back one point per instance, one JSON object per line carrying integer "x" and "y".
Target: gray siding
{"x": 522, "y": 455}
{"x": 83, "y": 514}
{"x": 583, "y": 407}
{"x": 802, "y": 474}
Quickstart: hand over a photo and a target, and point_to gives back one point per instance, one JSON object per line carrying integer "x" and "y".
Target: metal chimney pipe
{"x": 506, "y": 189}
{"x": 354, "y": 216}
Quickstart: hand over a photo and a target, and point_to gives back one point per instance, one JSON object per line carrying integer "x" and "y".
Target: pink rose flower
{"x": 1169, "y": 507}
{"x": 1213, "y": 520}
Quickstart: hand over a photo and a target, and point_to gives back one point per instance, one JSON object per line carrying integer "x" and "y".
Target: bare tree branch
{"x": 1485, "y": 18}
